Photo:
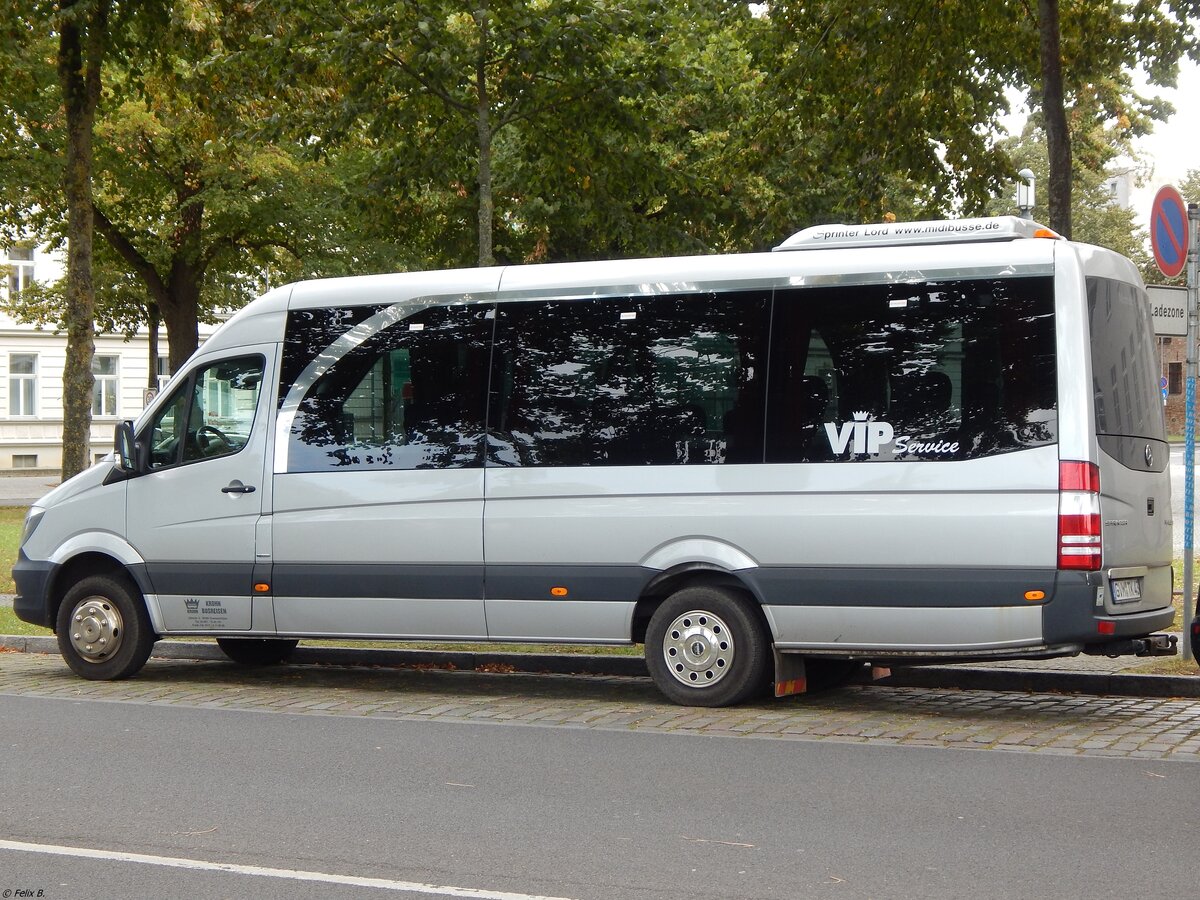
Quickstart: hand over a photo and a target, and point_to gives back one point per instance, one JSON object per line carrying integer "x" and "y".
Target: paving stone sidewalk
{"x": 1033, "y": 723}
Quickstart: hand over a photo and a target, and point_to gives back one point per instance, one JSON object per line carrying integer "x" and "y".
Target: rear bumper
{"x": 32, "y": 602}
{"x": 1073, "y": 616}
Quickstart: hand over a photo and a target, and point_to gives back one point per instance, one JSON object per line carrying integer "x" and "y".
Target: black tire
{"x": 104, "y": 631}
{"x": 707, "y": 646}
{"x": 257, "y": 651}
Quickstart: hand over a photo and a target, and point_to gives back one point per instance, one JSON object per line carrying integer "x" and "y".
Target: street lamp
{"x": 1025, "y": 193}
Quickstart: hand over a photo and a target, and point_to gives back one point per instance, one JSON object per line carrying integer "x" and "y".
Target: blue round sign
{"x": 1169, "y": 231}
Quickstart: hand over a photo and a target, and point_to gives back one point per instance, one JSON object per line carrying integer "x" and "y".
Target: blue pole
{"x": 1189, "y": 437}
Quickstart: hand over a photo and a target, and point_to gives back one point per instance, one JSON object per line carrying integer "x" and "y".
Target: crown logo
{"x": 861, "y": 416}
{"x": 192, "y": 604}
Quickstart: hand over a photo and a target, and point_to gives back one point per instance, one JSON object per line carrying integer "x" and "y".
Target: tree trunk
{"x": 181, "y": 315}
{"x": 181, "y": 306}
{"x": 80, "y": 53}
{"x": 153, "y": 319}
{"x": 1058, "y": 138}
{"x": 483, "y": 128}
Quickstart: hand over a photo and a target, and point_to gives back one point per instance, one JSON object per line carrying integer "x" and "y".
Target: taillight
{"x": 1078, "y": 516}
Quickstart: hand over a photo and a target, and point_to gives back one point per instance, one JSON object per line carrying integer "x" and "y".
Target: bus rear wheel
{"x": 707, "y": 646}
{"x": 104, "y": 631}
{"x": 257, "y": 651}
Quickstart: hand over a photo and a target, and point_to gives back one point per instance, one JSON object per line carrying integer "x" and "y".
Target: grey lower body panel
{"x": 912, "y": 609}
{"x": 913, "y": 587}
{"x": 909, "y": 610}
{"x": 382, "y": 617}
{"x": 934, "y": 629}
{"x": 577, "y": 621}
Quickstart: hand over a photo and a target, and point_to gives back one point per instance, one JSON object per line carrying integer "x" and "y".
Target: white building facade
{"x": 32, "y": 359}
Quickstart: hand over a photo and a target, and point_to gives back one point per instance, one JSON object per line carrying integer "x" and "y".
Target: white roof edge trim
{"x": 894, "y": 234}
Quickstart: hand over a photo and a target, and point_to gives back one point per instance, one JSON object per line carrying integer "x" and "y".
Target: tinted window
{"x": 208, "y": 415}
{"x": 951, "y": 370}
{"x": 311, "y": 332}
{"x": 403, "y": 392}
{"x": 666, "y": 381}
{"x": 1124, "y": 370}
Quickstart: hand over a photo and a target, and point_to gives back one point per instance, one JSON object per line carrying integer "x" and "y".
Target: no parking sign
{"x": 1169, "y": 231}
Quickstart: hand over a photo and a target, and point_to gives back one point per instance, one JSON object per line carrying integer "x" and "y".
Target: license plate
{"x": 1126, "y": 590}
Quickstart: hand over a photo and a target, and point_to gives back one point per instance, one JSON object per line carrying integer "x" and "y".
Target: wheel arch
{"x": 85, "y": 555}
{"x": 685, "y": 575}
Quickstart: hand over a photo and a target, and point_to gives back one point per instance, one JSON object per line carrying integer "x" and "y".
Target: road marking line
{"x": 411, "y": 887}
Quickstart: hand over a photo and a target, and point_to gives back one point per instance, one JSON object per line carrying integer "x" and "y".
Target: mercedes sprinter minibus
{"x": 899, "y": 443}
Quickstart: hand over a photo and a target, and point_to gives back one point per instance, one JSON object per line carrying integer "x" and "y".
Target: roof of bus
{"x": 970, "y": 248}
{"x": 942, "y": 254}
{"x": 672, "y": 275}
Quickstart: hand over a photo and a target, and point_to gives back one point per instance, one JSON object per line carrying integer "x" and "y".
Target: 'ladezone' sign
{"x": 1168, "y": 305}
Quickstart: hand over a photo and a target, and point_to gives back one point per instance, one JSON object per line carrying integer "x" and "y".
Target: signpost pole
{"x": 1193, "y": 290}
{"x": 1175, "y": 246}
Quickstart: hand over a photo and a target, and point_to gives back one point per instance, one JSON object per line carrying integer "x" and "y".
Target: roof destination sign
{"x": 1168, "y": 306}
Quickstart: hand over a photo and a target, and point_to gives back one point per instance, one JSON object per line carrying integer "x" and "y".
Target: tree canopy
{"x": 238, "y": 145}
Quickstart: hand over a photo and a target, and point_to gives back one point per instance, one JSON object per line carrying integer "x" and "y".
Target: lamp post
{"x": 1025, "y": 193}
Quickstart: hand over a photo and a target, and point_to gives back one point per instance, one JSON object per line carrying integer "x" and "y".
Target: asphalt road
{"x": 561, "y": 811}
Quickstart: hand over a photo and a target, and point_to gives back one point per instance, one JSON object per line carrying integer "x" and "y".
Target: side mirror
{"x": 126, "y": 448}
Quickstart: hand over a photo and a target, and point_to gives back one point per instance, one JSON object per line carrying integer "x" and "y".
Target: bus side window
{"x": 630, "y": 381}
{"x": 409, "y": 396}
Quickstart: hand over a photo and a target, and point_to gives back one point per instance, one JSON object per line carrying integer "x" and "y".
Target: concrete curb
{"x": 535, "y": 663}
{"x": 974, "y": 678}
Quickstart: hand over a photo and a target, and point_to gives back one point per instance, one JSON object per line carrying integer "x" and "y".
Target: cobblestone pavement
{"x": 1033, "y": 723}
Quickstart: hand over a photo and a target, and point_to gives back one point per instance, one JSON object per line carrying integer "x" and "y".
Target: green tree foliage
{"x": 437, "y": 91}
{"x": 76, "y": 43}
{"x": 917, "y": 85}
{"x": 1085, "y": 70}
{"x": 243, "y": 144}
{"x": 189, "y": 200}
{"x": 589, "y": 129}
{"x": 1189, "y": 188}
{"x": 871, "y": 97}
{"x": 1098, "y": 220}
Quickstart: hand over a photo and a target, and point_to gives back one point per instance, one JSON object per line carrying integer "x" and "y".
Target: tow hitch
{"x": 1151, "y": 645}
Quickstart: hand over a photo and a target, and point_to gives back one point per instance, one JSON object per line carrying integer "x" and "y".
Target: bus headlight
{"x": 32, "y": 518}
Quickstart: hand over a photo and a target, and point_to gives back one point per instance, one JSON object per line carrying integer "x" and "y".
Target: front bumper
{"x": 32, "y": 602}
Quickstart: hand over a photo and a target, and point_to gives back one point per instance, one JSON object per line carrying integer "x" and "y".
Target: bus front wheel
{"x": 104, "y": 631}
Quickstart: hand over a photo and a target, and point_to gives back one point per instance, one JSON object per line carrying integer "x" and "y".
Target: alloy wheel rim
{"x": 96, "y": 629}
{"x": 698, "y": 648}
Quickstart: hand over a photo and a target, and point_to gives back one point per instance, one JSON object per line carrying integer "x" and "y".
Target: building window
{"x": 22, "y": 384}
{"x": 164, "y": 371}
{"x": 104, "y": 390}
{"x": 1175, "y": 378}
{"x": 20, "y": 270}
{"x": 24, "y": 461}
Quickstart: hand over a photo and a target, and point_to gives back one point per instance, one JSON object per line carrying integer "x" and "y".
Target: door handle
{"x": 236, "y": 487}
